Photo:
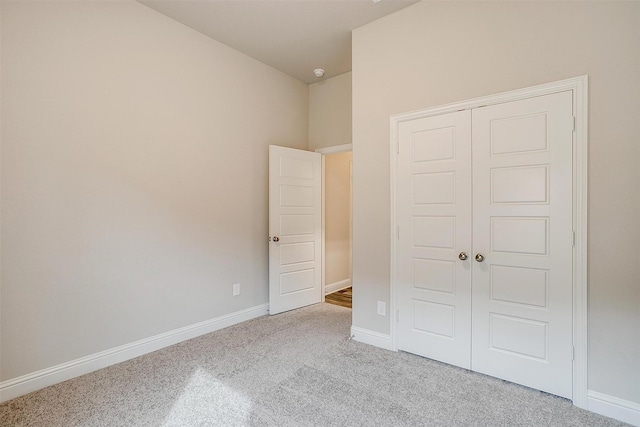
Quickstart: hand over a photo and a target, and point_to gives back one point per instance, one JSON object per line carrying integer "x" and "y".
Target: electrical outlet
{"x": 236, "y": 289}
{"x": 382, "y": 308}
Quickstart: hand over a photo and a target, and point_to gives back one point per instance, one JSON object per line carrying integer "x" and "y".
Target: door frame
{"x": 334, "y": 149}
{"x": 579, "y": 86}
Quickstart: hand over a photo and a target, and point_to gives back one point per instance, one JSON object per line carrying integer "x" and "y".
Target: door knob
{"x": 463, "y": 256}
{"x": 276, "y": 239}
{"x": 479, "y": 257}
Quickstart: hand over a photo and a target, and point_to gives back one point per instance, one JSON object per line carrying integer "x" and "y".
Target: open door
{"x": 295, "y": 227}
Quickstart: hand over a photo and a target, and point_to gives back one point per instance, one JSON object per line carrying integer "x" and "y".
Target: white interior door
{"x": 295, "y": 215}
{"x": 507, "y": 309}
{"x": 434, "y": 218}
{"x": 522, "y": 210}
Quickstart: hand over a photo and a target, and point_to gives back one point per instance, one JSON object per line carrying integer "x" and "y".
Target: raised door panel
{"x": 519, "y": 285}
{"x": 296, "y": 225}
{"x": 518, "y": 235}
{"x": 528, "y": 184}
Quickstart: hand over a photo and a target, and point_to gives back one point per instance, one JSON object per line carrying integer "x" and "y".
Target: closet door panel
{"x": 434, "y": 216}
{"x": 522, "y": 226}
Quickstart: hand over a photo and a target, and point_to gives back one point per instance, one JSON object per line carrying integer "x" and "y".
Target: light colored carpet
{"x": 293, "y": 369}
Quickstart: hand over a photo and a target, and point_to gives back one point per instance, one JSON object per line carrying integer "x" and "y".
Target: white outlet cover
{"x": 236, "y": 289}
{"x": 382, "y": 308}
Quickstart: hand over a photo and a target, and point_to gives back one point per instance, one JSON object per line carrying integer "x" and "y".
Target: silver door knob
{"x": 479, "y": 257}
{"x": 276, "y": 239}
{"x": 463, "y": 256}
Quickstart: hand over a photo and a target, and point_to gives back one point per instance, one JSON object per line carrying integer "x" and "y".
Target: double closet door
{"x": 485, "y": 240}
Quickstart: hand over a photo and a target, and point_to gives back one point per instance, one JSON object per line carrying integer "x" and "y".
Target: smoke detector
{"x": 319, "y": 72}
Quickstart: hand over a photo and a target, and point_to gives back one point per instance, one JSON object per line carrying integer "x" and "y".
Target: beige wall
{"x": 434, "y": 53}
{"x": 337, "y": 217}
{"x": 134, "y": 177}
{"x": 330, "y": 112}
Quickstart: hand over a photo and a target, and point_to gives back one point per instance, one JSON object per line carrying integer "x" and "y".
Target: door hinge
{"x": 397, "y": 147}
{"x": 398, "y": 232}
{"x": 397, "y": 315}
{"x": 574, "y": 124}
{"x": 573, "y": 353}
{"x": 573, "y": 238}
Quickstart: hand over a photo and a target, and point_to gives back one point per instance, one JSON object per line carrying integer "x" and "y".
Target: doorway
{"x": 297, "y": 225}
{"x": 337, "y": 166}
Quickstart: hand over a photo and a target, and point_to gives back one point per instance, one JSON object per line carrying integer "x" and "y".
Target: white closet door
{"x": 434, "y": 217}
{"x": 522, "y": 211}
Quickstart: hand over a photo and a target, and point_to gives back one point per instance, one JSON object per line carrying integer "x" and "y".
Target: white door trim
{"x": 335, "y": 149}
{"x": 579, "y": 86}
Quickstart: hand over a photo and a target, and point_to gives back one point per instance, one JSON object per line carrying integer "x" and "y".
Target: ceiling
{"x": 293, "y": 36}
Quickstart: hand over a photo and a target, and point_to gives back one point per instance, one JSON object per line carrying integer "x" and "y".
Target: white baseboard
{"x": 371, "y": 337}
{"x": 337, "y": 286}
{"x": 35, "y": 381}
{"x": 613, "y": 407}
